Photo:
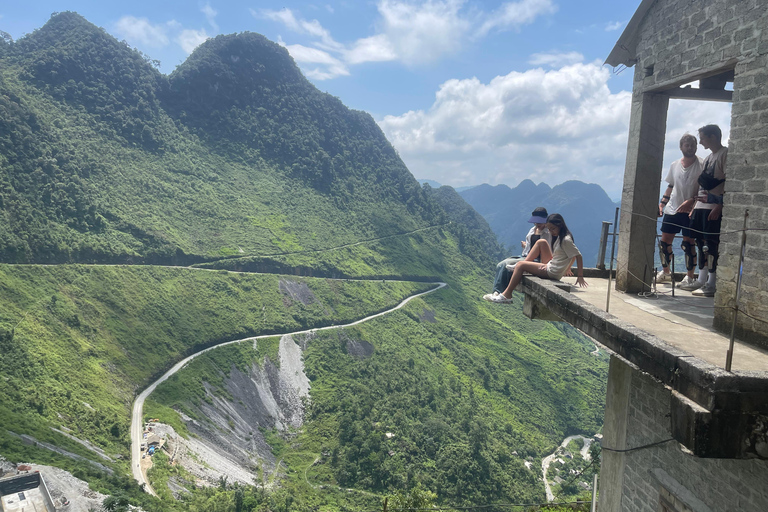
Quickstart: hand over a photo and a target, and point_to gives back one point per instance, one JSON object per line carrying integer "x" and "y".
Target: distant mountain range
{"x": 583, "y": 205}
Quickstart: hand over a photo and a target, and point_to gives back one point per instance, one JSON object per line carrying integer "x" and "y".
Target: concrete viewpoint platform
{"x": 714, "y": 413}
{"x": 683, "y": 321}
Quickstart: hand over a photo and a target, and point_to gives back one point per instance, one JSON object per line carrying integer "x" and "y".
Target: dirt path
{"x": 138, "y": 404}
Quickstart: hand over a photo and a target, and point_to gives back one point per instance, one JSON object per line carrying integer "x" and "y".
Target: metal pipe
{"x": 603, "y": 244}
{"x": 729, "y": 354}
{"x": 610, "y": 271}
{"x": 673, "y": 275}
{"x": 594, "y": 494}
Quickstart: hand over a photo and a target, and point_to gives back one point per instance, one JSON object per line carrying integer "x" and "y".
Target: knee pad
{"x": 711, "y": 249}
{"x": 690, "y": 254}
{"x": 665, "y": 253}
{"x": 702, "y": 254}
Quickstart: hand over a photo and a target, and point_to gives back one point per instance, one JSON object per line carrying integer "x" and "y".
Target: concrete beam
{"x": 640, "y": 196}
{"x": 689, "y": 93}
{"x": 615, "y": 435}
{"x": 714, "y": 413}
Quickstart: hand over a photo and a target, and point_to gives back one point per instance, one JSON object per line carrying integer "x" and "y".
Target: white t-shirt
{"x": 718, "y": 160}
{"x": 685, "y": 183}
{"x": 562, "y": 254}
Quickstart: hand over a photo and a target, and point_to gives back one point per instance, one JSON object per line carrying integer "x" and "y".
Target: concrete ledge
{"x": 714, "y": 412}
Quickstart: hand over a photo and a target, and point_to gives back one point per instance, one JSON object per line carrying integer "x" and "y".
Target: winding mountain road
{"x": 546, "y": 461}
{"x": 138, "y": 405}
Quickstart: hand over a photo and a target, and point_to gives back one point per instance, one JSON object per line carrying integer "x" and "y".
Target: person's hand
{"x": 581, "y": 282}
{"x": 569, "y": 272}
{"x": 715, "y": 212}
{"x": 661, "y": 210}
{"x": 523, "y": 244}
{"x": 687, "y": 206}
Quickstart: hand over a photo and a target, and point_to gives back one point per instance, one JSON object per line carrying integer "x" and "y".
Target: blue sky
{"x": 468, "y": 92}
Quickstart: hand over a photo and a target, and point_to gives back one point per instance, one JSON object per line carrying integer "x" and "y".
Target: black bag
{"x": 707, "y": 179}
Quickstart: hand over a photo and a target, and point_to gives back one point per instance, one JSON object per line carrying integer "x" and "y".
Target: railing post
{"x": 729, "y": 355}
{"x": 603, "y": 244}
{"x": 594, "y": 494}
{"x": 610, "y": 270}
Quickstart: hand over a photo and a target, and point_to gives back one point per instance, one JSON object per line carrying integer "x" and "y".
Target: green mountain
{"x": 583, "y": 205}
{"x": 106, "y": 160}
{"x": 235, "y": 162}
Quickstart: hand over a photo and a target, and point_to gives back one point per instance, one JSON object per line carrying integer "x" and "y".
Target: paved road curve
{"x": 546, "y": 461}
{"x": 137, "y": 430}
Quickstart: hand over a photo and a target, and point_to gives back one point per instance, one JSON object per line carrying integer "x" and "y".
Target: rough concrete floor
{"x": 684, "y": 321}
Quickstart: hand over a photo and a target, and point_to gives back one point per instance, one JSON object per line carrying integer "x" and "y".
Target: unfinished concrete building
{"x": 686, "y": 421}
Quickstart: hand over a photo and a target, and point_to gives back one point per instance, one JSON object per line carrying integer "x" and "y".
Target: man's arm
{"x": 664, "y": 200}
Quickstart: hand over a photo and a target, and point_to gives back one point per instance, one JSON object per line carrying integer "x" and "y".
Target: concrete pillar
{"x": 614, "y": 435}
{"x": 640, "y": 196}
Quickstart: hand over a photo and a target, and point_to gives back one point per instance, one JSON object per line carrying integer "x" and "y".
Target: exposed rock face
{"x": 297, "y": 291}
{"x": 228, "y": 443}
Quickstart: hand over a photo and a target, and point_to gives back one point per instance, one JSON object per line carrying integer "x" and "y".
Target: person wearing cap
{"x": 539, "y": 231}
{"x": 556, "y": 259}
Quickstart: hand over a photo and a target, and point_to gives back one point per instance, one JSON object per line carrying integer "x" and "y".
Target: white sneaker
{"x": 689, "y": 284}
{"x": 663, "y": 277}
{"x": 705, "y": 291}
{"x": 501, "y": 299}
{"x": 489, "y": 296}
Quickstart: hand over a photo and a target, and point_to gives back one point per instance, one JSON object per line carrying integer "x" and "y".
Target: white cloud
{"x": 425, "y": 32}
{"x": 317, "y": 64}
{"x": 548, "y": 126}
{"x": 555, "y": 60}
{"x": 613, "y": 25}
{"x": 190, "y": 39}
{"x": 312, "y": 28}
{"x": 687, "y": 116}
{"x": 512, "y": 15}
{"x": 376, "y": 48}
{"x": 414, "y": 33}
{"x": 210, "y": 14}
{"x": 141, "y": 31}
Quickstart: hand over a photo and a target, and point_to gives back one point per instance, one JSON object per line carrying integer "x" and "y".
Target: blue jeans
{"x": 503, "y": 275}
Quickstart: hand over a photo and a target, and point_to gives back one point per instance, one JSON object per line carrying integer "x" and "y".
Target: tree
{"x": 416, "y": 498}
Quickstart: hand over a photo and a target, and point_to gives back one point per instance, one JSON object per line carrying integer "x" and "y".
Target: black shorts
{"x": 703, "y": 228}
{"x": 675, "y": 223}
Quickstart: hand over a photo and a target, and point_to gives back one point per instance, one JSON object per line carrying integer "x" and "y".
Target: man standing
{"x": 676, "y": 205}
{"x": 707, "y": 213}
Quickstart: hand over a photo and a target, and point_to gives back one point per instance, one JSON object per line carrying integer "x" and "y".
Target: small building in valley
{"x": 25, "y": 492}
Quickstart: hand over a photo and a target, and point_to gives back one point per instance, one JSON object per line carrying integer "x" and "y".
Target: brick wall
{"x": 680, "y": 38}
{"x": 694, "y": 483}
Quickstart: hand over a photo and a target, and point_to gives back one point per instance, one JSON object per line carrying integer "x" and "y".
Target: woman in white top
{"x": 538, "y": 231}
{"x": 554, "y": 262}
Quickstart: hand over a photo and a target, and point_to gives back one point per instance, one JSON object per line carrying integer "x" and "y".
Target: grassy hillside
{"x": 236, "y": 162}
{"x": 461, "y": 383}
{"x": 75, "y": 334}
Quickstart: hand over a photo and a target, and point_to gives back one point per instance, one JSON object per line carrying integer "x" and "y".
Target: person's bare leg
{"x": 531, "y": 267}
{"x": 541, "y": 250}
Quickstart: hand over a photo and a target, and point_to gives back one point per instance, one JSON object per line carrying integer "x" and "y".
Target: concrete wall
{"x": 683, "y": 40}
{"x": 667, "y": 471}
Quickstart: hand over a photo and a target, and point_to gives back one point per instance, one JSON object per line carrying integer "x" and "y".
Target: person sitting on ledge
{"x": 554, "y": 262}
{"x": 538, "y": 231}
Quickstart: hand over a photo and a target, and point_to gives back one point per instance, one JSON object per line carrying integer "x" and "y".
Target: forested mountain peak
{"x": 104, "y": 158}
{"x": 74, "y": 61}
{"x": 228, "y": 69}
